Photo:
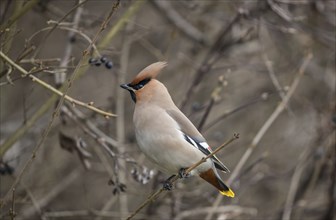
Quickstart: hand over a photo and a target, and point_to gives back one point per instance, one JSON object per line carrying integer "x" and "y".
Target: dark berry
{"x": 97, "y": 63}
{"x": 103, "y": 59}
{"x": 109, "y": 65}
{"x": 92, "y": 60}
{"x": 73, "y": 39}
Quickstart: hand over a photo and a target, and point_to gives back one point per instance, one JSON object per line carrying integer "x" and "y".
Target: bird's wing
{"x": 194, "y": 137}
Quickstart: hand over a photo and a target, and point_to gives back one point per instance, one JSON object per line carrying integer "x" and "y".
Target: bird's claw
{"x": 167, "y": 185}
{"x": 182, "y": 173}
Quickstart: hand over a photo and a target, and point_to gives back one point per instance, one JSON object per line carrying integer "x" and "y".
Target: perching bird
{"x": 165, "y": 135}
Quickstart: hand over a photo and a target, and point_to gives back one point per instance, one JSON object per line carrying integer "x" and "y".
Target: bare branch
{"x": 60, "y": 76}
{"x": 221, "y": 210}
{"x": 279, "y": 109}
{"x": 182, "y": 24}
{"x": 58, "y": 189}
{"x": 55, "y": 113}
{"x": 50, "y": 102}
{"x": 49, "y": 87}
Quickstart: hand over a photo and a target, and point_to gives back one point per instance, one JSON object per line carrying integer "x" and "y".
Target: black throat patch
{"x": 133, "y": 96}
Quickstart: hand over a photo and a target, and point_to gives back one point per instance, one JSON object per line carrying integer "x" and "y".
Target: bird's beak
{"x": 130, "y": 89}
{"x": 127, "y": 87}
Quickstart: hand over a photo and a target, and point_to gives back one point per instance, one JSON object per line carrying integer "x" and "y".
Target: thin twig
{"x": 279, "y": 109}
{"x": 262, "y": 97}
{"x": 90, "y": 128}
{"x": 9, "y": 30}
{"x": 26, "y": 51}
{"x": 218, "y": 48}
{"x": 12, "y": 211}
{"x": 282, "y": 13}
{"x": 295, "y": 2}
{"x": 121, "y": 23}
{"x": 31, "y": 72}
{"x": 176, "y": 19}
{"x": 38, "y": 49}
{"x": 60, "y": 76}
{"x": 50, "y": 196}
{"x": 274, "y": 79}
{"x": 60, "y": 27}
{"x": 107, "y": 206}
{"x": 9, "y": 72}
{"x": 222, "y": 210}
{"x": 120, "y": 108}
{"x": 55, "y": 113}
{"x": 50, "y": 102}
{"x": 215, "y": 96}
{"x": 103, "y": 26}
{"x": 332, "y": 189}
{"x": 206, "y": 64}
{"x": 17, "y": 14}
{"x": 86, "y": 214}
{"x": 52, "y": 89}
{"x": 34, "y": 201}
{"x": 176, "y": 177}
{"x": 293, "y": 187}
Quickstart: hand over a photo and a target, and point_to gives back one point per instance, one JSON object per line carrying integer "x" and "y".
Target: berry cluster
{"x": 102, "y": 60}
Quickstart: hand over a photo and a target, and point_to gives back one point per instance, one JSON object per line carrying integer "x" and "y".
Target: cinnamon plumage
{"x": 165, "y": 135}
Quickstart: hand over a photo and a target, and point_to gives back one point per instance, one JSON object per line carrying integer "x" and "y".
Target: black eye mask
{"x": 141, "y": 84}
{"x": 137, "y": 86}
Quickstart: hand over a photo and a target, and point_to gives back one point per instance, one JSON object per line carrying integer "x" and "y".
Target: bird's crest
{"x": 150, "y": 72}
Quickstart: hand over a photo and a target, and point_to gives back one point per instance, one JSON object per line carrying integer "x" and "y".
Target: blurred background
{"x": 263, "y": 69}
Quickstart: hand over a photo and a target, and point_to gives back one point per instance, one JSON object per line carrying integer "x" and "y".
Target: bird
{"x": 166, "y": 136}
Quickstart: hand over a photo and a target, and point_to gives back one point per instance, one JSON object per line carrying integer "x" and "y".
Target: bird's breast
{"x": 160, "y": 139}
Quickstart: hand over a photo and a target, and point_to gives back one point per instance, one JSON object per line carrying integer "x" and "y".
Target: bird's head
{"x": 144, "y": 81}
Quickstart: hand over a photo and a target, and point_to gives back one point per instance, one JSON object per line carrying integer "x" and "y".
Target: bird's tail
{"x": 226, "y": 191}
{"x": 212, "y": 177}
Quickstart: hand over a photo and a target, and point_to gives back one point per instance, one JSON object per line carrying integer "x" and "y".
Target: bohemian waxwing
{"x": 165, "y": 135}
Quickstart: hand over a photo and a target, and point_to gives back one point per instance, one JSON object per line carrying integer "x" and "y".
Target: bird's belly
{"x": 169, "y": 154}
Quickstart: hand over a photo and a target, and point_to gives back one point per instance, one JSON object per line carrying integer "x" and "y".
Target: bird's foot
{"x": 183, "y": 174}
{"x": 167, "y": 184}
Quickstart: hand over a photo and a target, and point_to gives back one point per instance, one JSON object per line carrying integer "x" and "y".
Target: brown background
{"x": 294, "y": 160}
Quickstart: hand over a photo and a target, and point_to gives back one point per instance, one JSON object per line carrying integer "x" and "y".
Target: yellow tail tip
{"x": 228, "y": 193}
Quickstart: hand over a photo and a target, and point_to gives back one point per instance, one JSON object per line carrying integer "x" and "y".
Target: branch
{"x": 263, "y": 97}
{"x": 60, "y": 76}
{"x": 52, "y": 89}
{"x": 60, "y": 27}
{"x": 43, "y": 40}
{"x": 282, "y": 105}
{"x": 17, "y": 14}
{"x": 176, "y": 177}
{"x": 56, "y": 111}
{"x": 295, "y": 183}
{"x": 121, "y": 23}
{"x": 176, "y": 19}
{"x": 52, "y": 194}
{"x": 215, "y": 96}
{"x": 49, "y": 103}
{"x": 120, "y": 109}
{"x": 221, "y": 210}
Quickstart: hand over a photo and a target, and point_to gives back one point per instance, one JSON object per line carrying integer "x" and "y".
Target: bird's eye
{"x": 138, "y": 86}
{"x": 141, "y": 84}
